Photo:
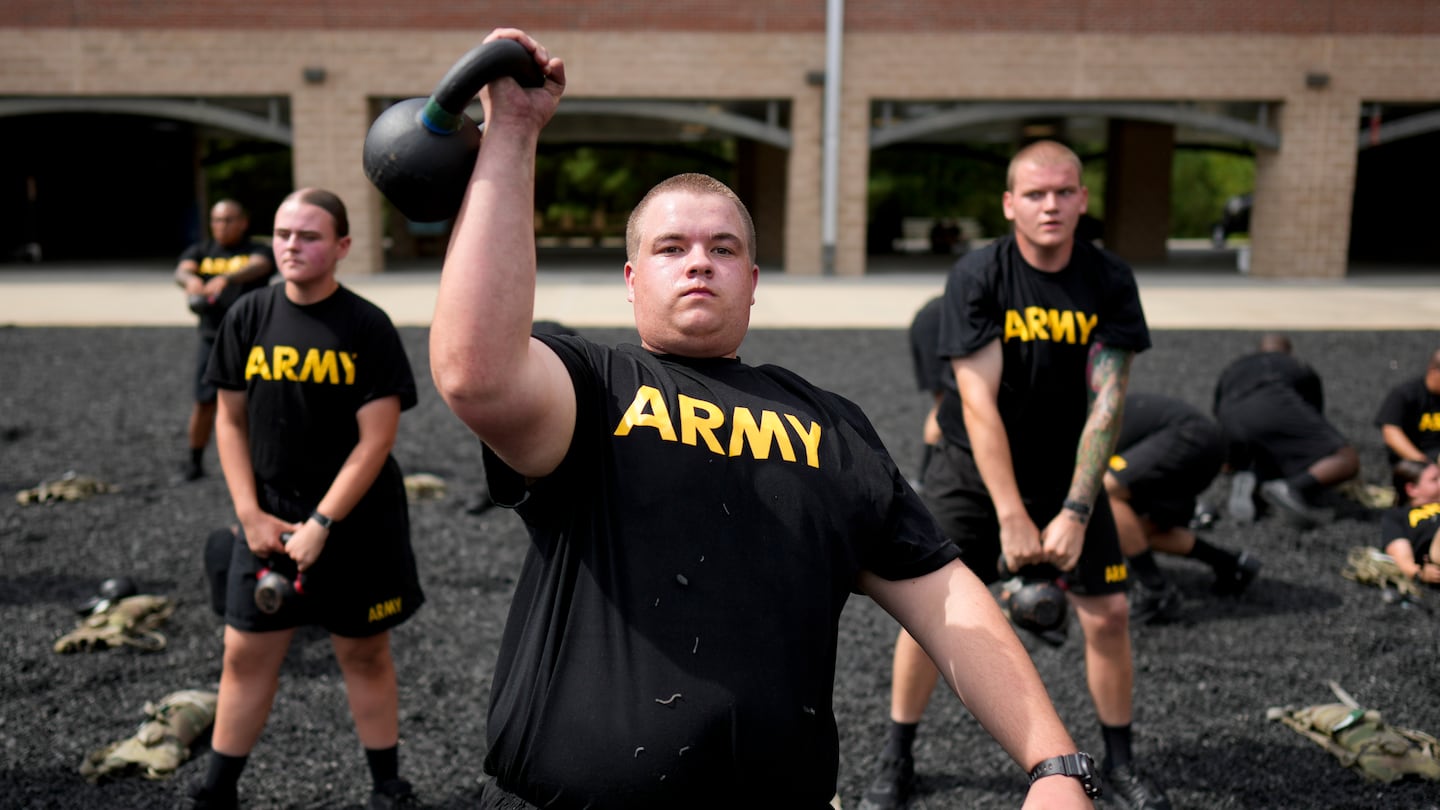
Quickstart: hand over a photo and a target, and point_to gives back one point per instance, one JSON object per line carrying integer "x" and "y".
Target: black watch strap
{"x": 324, "y": 522}
{"x": 1078, "y": 766}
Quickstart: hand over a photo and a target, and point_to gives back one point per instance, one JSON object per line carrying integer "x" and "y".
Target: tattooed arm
{"x": 1108, "y": 375}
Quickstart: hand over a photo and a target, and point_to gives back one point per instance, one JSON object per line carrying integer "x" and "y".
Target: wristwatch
{"x": 1078, "y": 765}
{"x": 324, "y": 522}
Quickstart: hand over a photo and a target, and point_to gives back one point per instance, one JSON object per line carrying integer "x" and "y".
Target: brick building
{"x": 1308, "y": 85}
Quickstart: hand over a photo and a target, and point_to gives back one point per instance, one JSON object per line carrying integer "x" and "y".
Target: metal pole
{"x": 834, "y": 34}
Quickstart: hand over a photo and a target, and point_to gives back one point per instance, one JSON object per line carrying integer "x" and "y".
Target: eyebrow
{"x": 718, "y": 236}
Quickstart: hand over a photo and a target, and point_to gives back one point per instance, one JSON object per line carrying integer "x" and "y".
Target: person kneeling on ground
{"x": 1271, "y": 406}
{"x": 1167, "y": 454}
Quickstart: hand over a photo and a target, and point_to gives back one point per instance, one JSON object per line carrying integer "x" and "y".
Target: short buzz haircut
{"x": 693, "y": 183}
{"x": 230, "y": 202}
{"x": 327, "y": 200}
{"x": 1043, "y": 153}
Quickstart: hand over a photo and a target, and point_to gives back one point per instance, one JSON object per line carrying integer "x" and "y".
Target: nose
{"x": 698, "y": 263}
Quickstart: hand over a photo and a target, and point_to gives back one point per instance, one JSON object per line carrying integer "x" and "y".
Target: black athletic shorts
{"x": 1167, "y": 470}
{"x": 205, "y": 392}
{"x": 1281, "y": 435}
{"x": 364, "y": 583}
{"x": 956, "y": 495}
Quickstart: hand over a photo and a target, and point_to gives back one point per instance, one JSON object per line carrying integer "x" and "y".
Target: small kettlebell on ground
{"x": 420, "y": 152}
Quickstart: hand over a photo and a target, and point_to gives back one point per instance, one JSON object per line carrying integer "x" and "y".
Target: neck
{"x": 311, "y": 292}
{"x": 1046, "y": 259}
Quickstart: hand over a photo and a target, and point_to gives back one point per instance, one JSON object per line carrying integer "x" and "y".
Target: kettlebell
{"x": 421, "y": 151}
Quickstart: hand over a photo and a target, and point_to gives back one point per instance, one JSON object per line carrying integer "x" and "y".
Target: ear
{"x": 629, "y": 282}
{"x": 1007, "y": 204}
{"x": 342, "y": 248}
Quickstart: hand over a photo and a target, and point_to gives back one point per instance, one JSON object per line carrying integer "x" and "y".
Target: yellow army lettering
{"x": 385, "y": 609}
{"x": 1054, "y": 325}
{"x": 1430, "y": 422}
{"x": 702, "y": 421}
{"x": 1420, "y": 514}
{"x": 1118, "y": 463}
{"x": 217, "y": 266}
{"x": 318, "y": 366}
{"x": 1116, "y": 573}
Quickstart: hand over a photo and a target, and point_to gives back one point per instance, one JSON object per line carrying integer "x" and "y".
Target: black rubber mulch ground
{"x": 111, "y": 403}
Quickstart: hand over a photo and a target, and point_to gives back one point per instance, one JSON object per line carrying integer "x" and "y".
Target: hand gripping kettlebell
{"x": 421, "y": 151}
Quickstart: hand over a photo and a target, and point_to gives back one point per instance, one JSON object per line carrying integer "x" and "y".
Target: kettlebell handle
{"x": 444, "y": 112}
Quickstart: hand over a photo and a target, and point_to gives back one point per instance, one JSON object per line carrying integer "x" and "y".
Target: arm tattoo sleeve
{"x": 1107, "y": 376}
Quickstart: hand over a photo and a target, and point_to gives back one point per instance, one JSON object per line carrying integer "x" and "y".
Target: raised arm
{"x": 512, "y": 391}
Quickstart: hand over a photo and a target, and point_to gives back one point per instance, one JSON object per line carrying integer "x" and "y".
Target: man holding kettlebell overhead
{"x": 697, "y": 523}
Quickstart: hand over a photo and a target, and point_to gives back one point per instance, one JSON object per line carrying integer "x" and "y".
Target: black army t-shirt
{"x": 1048, "y": 324}
{"x": 673, "y": 634}
{"x": 214, "y": 259}
{"x": 302, "y": 368}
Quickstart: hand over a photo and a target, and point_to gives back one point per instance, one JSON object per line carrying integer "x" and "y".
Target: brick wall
{"x": 1296, "y": 17}
{"x": 1304, "y": 222}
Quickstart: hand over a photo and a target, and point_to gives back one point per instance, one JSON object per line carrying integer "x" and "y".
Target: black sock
{"x": 1148, "y": 571}
{"x": 1117, "y": 746}
{"x": 223, "y": 775}
{"x": 1217, "y": 558}
{"x": 384, "y": 764}
{"x": 1305, "y": 485}
{"x": 197, "y": 456}
{"x": 902, "y": 739}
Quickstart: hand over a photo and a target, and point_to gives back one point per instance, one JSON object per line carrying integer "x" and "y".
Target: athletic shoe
{"x": 1241, "y": 504}
{"x": 1237, "y": 578}
{"x": 1299, "y": 512}
{"x": 393, "y": 793}
{"x": 1151, "y": 606}
{"x": 1132, "y": 791}
{"x": 892, "y": 785}
{"x": 1205, "y": 517}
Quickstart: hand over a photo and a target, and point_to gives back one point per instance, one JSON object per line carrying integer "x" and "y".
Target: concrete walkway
{"x": 596, "y": 298}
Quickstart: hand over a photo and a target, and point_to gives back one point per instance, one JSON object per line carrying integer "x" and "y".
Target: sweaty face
{"x": 692, "y": 281}
{"x": 227, "y": 224}
{"x": 1045, "y": 205}
{"x": 306, "y": 248}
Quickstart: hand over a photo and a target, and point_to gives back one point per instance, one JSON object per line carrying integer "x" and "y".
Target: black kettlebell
{"x": 421, "y": 151}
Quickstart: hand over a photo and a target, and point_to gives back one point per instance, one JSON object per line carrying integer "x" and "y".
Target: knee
{"x": 365, "y": 660}
{"x": 1106, "y": 619}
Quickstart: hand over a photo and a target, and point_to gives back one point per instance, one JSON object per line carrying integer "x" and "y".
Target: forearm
{"x": 186, "y": 274}
{"x": 991, "y": 446}
{"x": 257, "y": 269}
{"x": 379, "y": 422}
{"x": 1108, "y": 378}
{"x": 487, "y": 284}
{"x": 979, "y": 655}
{"x": 1400, "y": 444}
{"x": 355, "y": 478}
